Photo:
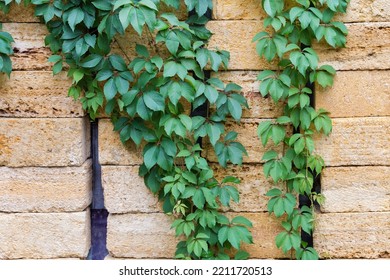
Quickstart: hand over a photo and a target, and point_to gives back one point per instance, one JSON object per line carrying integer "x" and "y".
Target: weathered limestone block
{"x": 252, "y": 188}
{"x": 235, "y": 36}
{"x": 353, "y": 235}
{"x": 112, "y": 150}
{"x": 37, "y": 94}
{"x": 40, "y": 189}
{"x": 125, "y": 191}
{"x": 259, "y": 107}
{"x": 247, "y": 136}
{"x": 30, "y": 52}
{"x": 141, "y": 236}
{"x": 44, "y": 142}
{"x": 149, "y": 236}
{"x": 358, "y": 10}
{"x": 44, "y": 235}
{"x": 265, "y": 228}
{"x": 356, "y": 94}
{"x": 356, "y": 189}
{"x": 19, "y": 13}
{"x": 235, "y": 9}
{"x": 356, "y": 141}
{"x": 368, "y": 46}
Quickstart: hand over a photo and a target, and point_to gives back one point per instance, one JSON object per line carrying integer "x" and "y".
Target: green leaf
{"x": 110, "y": 89}
{"x": 75, "y": 17}
{"x": 234, "y": 108}
{"x": 91, "y": 61}
{"x": 151, "y": 156}
{"x": 154, "y": 101}
{"x": 137, "y": 20}
{"x": 273, "y": 7}
{"x": 148, "y": 3}
{"x": 240, "y": 220}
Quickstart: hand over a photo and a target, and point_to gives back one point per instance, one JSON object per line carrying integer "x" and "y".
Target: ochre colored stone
{"x": 353, "y": 235}
{"x": 356, "y": 94}
{"x": 30, "y": 52}
{"x": 356, "y": 189}
{"x": 247, "y": 136}
{"x": 149, "y": 236}
{"x": 236, "y": 36}
{"x": 357, "y": 11}
{"x": 19, "y": 13}
{"x": 259, "y": 107}
{"x": 126, "y": 192}
{"x": 112, "y": 150}
{"x": 252, "y": 188}
{"x": 41, "y": 189}
{"x": 235, "y": 9}
{"x": 356, "y": 141}
{"x": 368, "y": 46}
{"x": 44, "y": 235}
{"x": 44, "y": 142}
{"x": 37, "y": 94}
{"x": 141, "y": 236}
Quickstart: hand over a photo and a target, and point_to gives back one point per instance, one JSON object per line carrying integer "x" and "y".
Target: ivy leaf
{"x": 137, "y": 19}
{"x": 288, "y": 240}
{"x": 273, "y": 7}
{"x": 75, "y": 17}
{"x": 150, "y": 156}
{"x": 154, "y": 101}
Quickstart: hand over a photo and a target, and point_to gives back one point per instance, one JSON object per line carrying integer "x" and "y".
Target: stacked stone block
{"x": 45, "y": 170}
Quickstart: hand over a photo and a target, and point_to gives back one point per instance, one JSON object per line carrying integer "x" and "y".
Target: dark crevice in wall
{"x": 99, "y": 214}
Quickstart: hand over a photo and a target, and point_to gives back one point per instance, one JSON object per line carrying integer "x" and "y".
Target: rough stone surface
{"x": 44, "y": 235}
{"x": 259, "y": 107}
{"x": 37, "y": 94}
{"x": 358, "y": 10}
{"x": 125, "y": 191}
{"x": 112, "y": 150}
{"x": 368, "y": 46}
{"x": 30, "y": 52}
{"x": 356, "y": 141}
{"x": 40, "y": 189}
{"x": 149, "y": 236}
{"x": 247, "y": 136}
{"x": 252, "y": 188}
{"x": 141, "y": 236}
{"x": 240, "y": 34}
{"x": 356, "y": 189}
{"x": 353, "y": 235}
{"x": 356, "y": 94}
{"x": 44, "y": 142}
{"x": 19, "y": 13}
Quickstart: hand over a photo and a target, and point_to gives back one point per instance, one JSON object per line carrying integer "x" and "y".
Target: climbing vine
{"x": 146, "y": 91}
{"x": 292, "y": 27}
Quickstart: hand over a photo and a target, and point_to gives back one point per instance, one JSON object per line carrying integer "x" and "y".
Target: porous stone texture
{"x": 358, "y": 10}
{"x": 44, "y": 142}
{"x": 247, "y": 136}
{"x": 252, "y": 187}
{"x": 44, "y": 235}
{"x": 368, "y": 46}
{"x": 141, "y": 236}
{"x": 126, "y": 192}
{"x": 356, "y": 141}
{"x": 353, "y": 235}
{"x": 356, "y": 189}
{"x": 259, "y": 107}
{"x": 112, "y": 151}
{"x": 30, "y": 52}
{"x": 37, "y": 94}
{"x": 42, "y": 189}
{"x": 356, "y": 94}
{"x": 19, "y": 13}
{"x": 149, "y": 236}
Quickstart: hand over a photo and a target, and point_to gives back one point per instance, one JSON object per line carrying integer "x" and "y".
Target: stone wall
{"x": 44, "y": 149}
{"x": 45, "y": 170}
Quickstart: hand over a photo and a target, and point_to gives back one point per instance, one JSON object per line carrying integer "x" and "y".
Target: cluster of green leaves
{"x": 289, "y": 45}
{"x": 6, "y": 41}
{"x": 147, "y": 95}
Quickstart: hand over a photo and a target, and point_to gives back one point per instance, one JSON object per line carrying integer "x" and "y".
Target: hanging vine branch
{"x": 289, "y": 45}
{"x": 146, "y": 99}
